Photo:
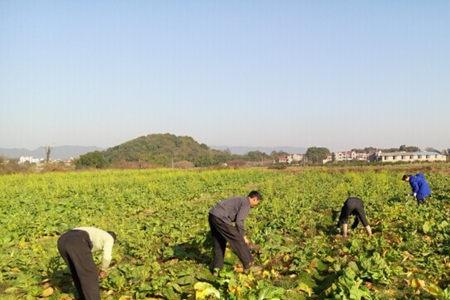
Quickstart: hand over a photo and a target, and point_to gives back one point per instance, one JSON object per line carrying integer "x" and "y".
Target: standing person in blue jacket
{"x": 419, "y": 186}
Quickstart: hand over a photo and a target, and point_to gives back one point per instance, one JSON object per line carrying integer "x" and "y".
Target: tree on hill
{"x": 366, "y": 150}
{"x": 91, "y": 160}
{"x": 409, "y": 148}
{"x": 256, "y": 156}
{"x": 316, "y": 154}
{"x": 276, "y": 154}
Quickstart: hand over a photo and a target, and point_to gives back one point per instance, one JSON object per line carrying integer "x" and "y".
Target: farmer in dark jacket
{"x": 221, "y": 219}
{"x": 353, "y": 206}
{"x": 419, "y": 186}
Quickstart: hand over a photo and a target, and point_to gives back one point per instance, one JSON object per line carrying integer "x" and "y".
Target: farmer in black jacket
{"x": 221, "y": 218}
{"x": 353, "y": 206}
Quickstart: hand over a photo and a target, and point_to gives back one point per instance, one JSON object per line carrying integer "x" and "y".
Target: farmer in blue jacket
{"x": 419, "y": 186}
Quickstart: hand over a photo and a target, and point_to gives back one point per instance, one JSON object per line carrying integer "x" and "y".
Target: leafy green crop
{"x": 164, "y": 246}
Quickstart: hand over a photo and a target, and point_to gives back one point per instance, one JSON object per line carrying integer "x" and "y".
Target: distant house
{"x": 362, "y": 156}
{"x": 351, "y": 155}
{"x": 345, "y": 155}
{"x": 290, "y": 158}
{"x": 284, "y": 159}
{"x": 328, "y": 159}
{"x": 297, "y": 157}
{"x": 29, "y": 159}
{"x": 409, "y": 156}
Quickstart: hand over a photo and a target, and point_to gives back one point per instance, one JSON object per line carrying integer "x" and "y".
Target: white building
{"x": 290, "y": 158}
{"x": 351, "y": 155}
{"x": 329, "y": 158}
{"x": 29, "y": 159}
{"x": 362, "y": 156}
{"x": 296, "y": 157}
{"x": 345, "y": 155}
{"x": 285, "y": 159}
{"x": 410, "y": 156}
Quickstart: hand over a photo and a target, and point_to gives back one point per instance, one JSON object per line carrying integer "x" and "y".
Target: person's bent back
{"x": 76, "y": 246}
{"x": 419, "y": 186}
{"x": 226, "y": 220}
{"x": 353, "y": 206}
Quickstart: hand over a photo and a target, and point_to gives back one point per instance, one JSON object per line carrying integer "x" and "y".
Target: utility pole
{"x": 47, "y": 154}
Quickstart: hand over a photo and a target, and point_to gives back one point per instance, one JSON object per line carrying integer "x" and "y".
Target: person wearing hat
{"x": 226, "y": 220}
{"x": 353, "y": 206}
{"x": 76, "y": 247}
{"x": 419, "y": 186}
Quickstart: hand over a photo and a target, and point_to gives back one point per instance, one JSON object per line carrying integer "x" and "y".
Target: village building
{"x": 290, "y": 158}
{"x": 345, "y": 155}
{"x": 328, "y": 159}
{"x": 29, "y": 159}
{"x": 409, "y": 156}
{"x": 284, "y": 159}
{"x": 362, "y": 156}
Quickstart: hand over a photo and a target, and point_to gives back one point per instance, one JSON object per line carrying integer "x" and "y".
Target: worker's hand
{"x": 369, "y": 230}
{"x": 415, "y": 194}
{"x": 246, "y": 240}
{"x": 102, "y": 274}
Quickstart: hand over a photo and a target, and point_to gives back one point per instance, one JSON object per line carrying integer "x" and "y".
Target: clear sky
{"x": 339, "y": 74}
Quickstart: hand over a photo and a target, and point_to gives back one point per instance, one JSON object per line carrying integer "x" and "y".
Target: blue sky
{"x": 339, "y": 74}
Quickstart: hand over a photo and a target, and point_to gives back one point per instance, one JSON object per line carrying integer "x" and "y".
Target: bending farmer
{"x": 419, "y": 186}
{"x": 76, "y": 247}
{"x": 353, "y": 206}
{"x": 221, "y": 218}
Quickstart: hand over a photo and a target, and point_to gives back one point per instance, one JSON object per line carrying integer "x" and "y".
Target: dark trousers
{"x": 353, "y": 206}
{"x": 75, "y": 247}
{"x": 223, "y": 233}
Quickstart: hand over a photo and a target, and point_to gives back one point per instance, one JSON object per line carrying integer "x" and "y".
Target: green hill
{"x": 157, "y": 149}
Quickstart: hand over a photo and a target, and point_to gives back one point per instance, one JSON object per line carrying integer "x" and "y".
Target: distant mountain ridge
{"x": 57, "y": 152}
{"x": 241, "y": 150}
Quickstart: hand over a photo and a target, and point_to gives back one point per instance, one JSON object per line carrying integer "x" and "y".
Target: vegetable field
{"x": 164, "y": 249}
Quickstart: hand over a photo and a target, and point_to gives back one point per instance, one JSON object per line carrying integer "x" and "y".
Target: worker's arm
{"x": 240, "y": 218}
{"x": 361, "y": 216}
{"x": 414, "y": 187}
{"x": 345, "y": 229}
{"x": 343, "y": 220}
{"x": 107, "y": 252}
{"x": 369, "y": 230}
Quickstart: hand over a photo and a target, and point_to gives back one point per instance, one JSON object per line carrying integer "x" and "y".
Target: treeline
{"x": 168, "y": 150}
{"x": 165, "y": 150}
{"x": 402, "y": 148}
